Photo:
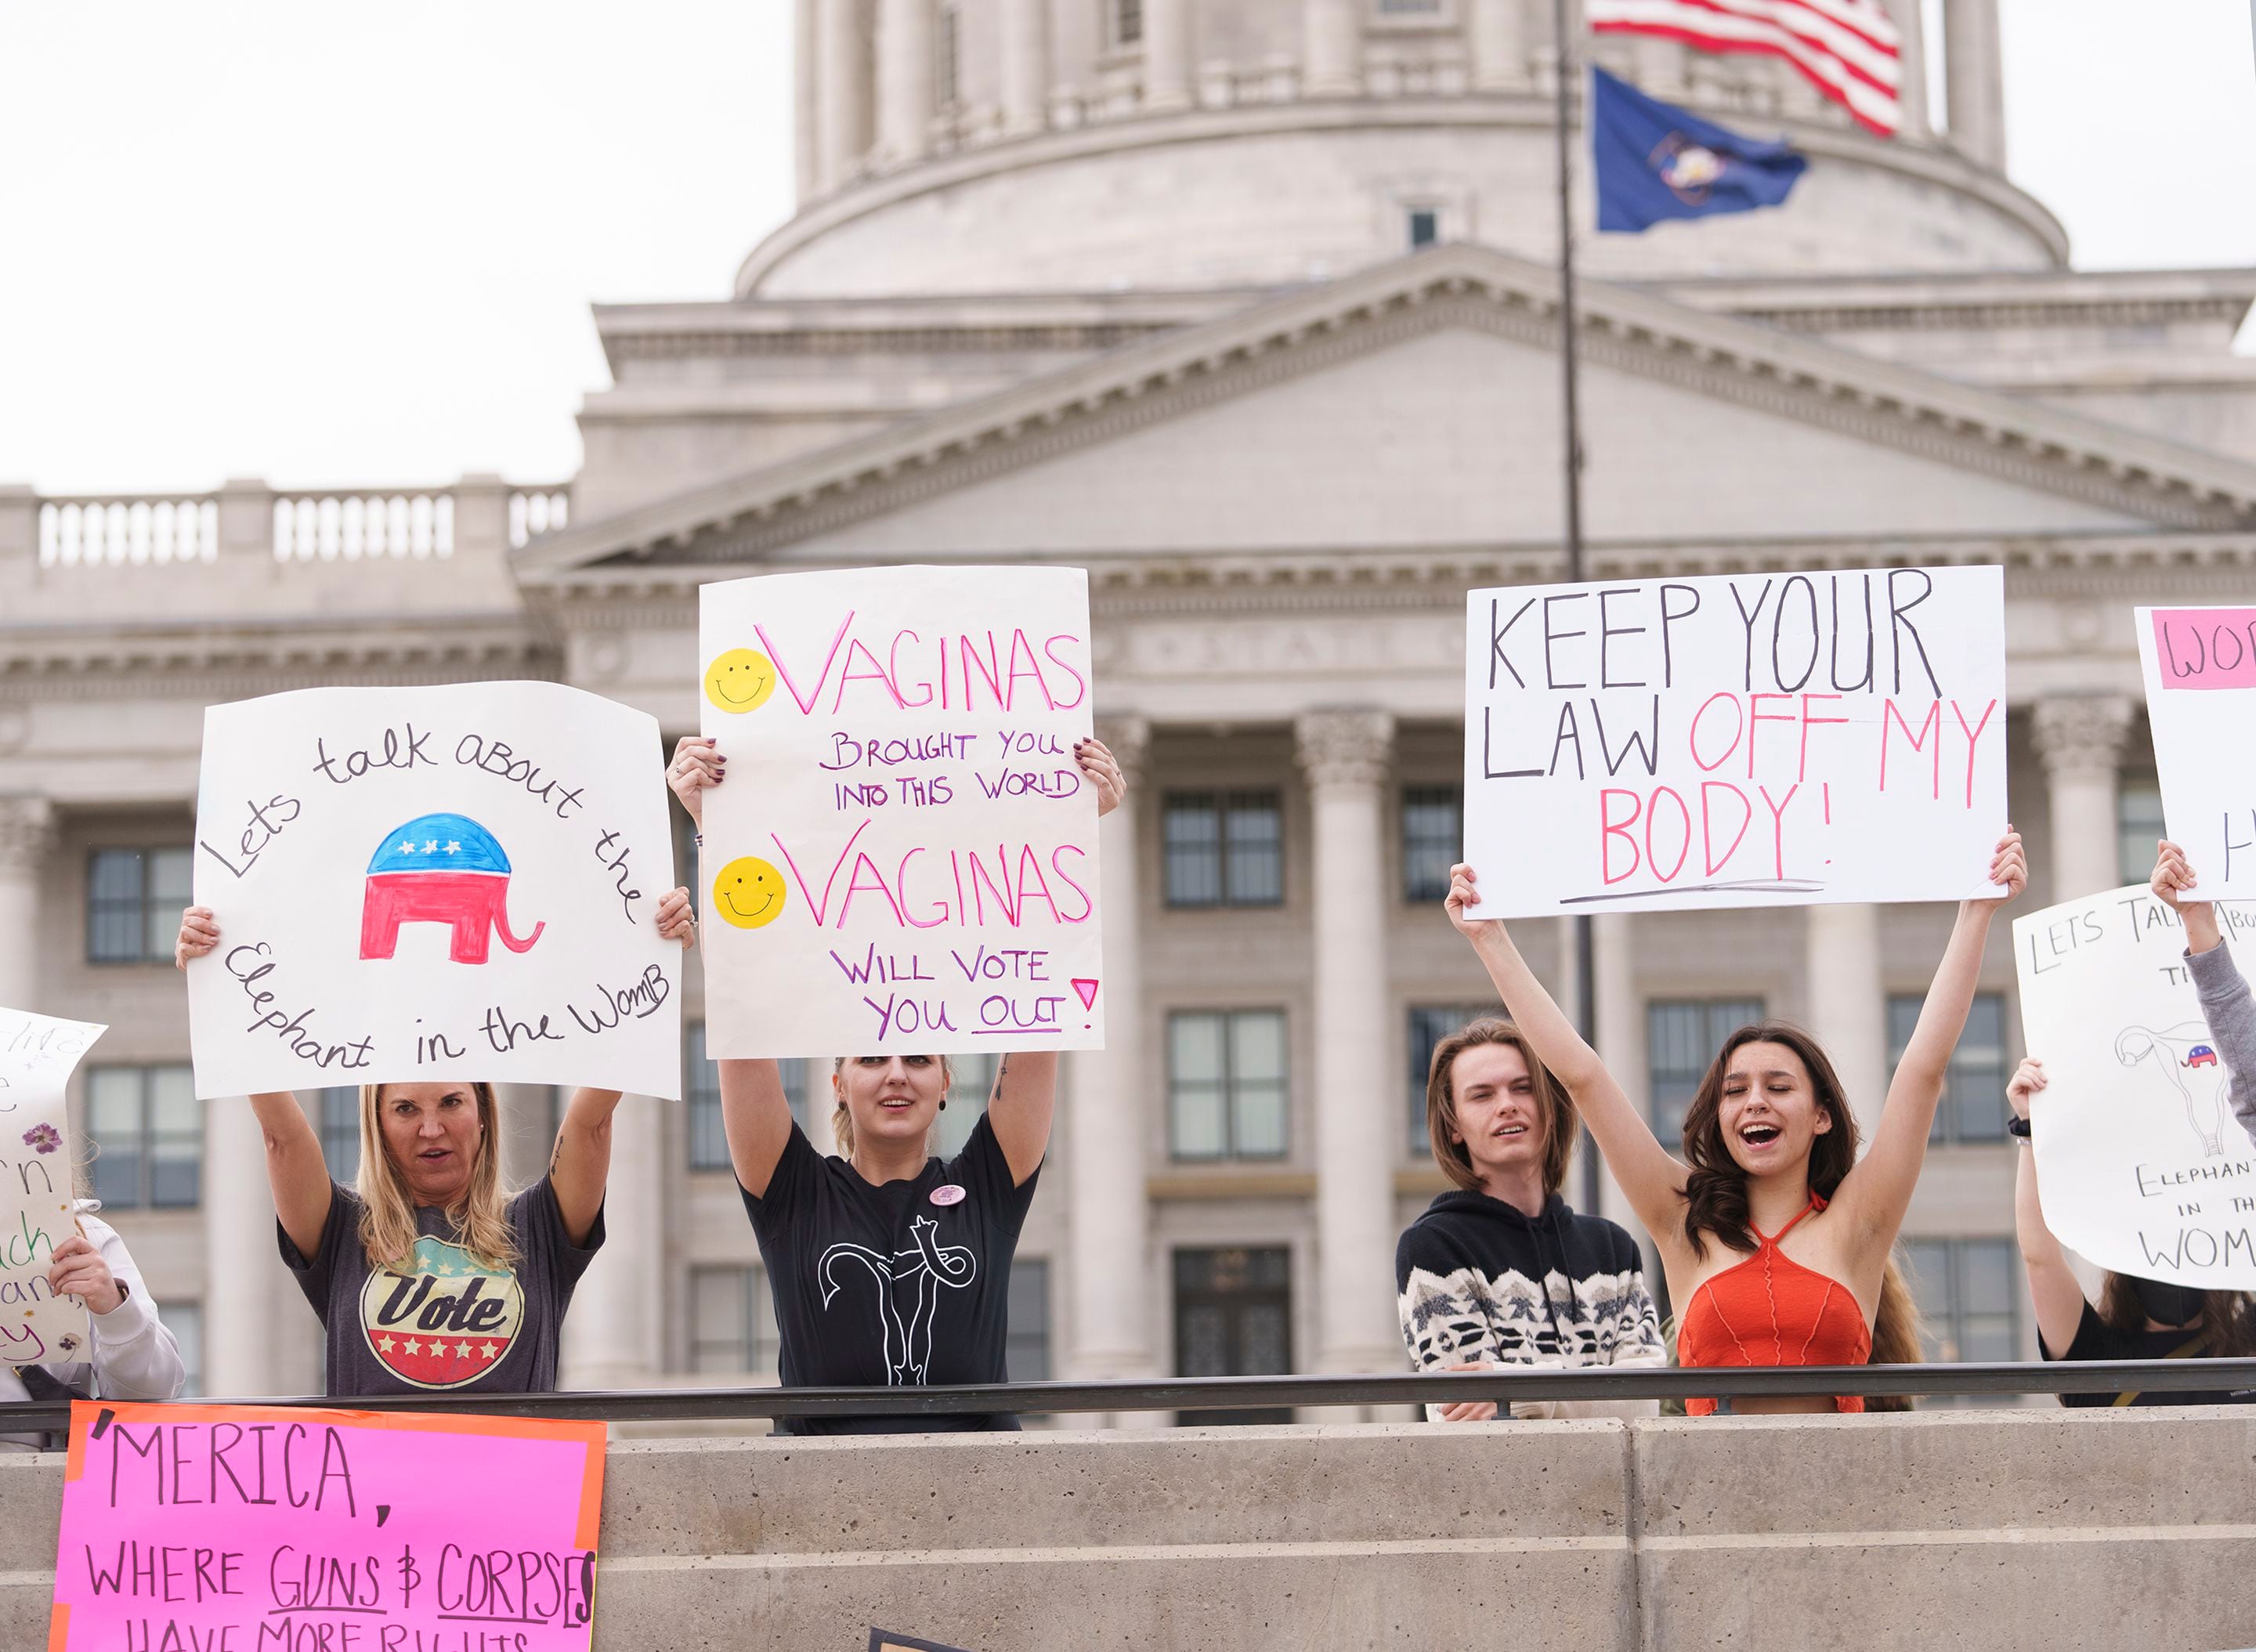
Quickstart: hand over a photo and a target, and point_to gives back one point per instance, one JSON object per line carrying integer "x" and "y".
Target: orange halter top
{"x": 1770, "y": 1310}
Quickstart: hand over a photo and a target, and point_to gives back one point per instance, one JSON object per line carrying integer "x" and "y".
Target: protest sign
{"x": 904, "y": 857}
{"x": 2142, "y": 1166}
{"x": 2200, "y": 667}
{"x": 453, "y": 883}
{"x": 1735, "y": 740}
{"x": 38, "y": 1158}
{"x": 238, "y": 1528}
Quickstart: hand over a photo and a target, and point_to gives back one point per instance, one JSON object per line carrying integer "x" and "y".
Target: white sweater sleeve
{"x": 135, "y": 1357}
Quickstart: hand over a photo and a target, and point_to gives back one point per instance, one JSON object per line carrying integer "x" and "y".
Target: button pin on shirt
{"x": 947, "y": 1193}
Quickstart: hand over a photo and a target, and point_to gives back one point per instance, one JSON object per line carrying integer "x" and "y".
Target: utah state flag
{"x": 1654, "y": 160}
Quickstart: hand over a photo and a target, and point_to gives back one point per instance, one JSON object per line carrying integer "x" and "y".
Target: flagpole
{"x": 1586, "y": 973}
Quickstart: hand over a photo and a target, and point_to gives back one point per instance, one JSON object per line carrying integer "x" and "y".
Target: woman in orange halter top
{"x": 1775, "y": 1239}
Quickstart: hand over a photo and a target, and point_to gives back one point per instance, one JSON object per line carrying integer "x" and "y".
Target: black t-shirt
{"x": 2097, "y": 1339}
{"x": 904, "y": 1284}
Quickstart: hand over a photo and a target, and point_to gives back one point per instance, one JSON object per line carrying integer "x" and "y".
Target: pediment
{"x": 1417, "y": 405}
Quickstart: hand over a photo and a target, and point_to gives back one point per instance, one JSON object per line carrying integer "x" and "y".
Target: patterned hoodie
{"x": 1479, "y": 1280}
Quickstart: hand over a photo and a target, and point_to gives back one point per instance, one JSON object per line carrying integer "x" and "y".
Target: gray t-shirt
{"x": 443, "y": 1319}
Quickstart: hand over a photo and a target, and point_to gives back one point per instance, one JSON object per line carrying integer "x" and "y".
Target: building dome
{"x": 993, "y": 146}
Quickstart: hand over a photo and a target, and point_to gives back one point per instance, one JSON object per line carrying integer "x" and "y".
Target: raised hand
{"x": 676, "y": 921}
{"x": 1463, "y": 894}
{"x": 1103, "y": 771}
{"x": 2028, "y": 1078}
{"x": 79, "y": 1271}
{"x": 2008, "y": 866}
{"x": 199, "y": 935}
{"x": 2172, "y": 883}
{"x": 696, "y": 764}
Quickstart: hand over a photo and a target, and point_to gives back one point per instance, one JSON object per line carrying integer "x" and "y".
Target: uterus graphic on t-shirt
{"x": 904, "y": 1291}
{"x": 441, "y": 1319}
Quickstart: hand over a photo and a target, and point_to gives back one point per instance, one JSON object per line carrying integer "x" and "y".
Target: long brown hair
{"x": 1560, "y": 1126}
{"x": 1716, "y": 1192}
{"x": 841, "y": 1122}
{"x": 388, "y": 1230}
{"x": 2228, "y": 1317}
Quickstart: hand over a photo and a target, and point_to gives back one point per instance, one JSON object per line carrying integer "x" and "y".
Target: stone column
{"x": 1848, "y": 1005}
{"x": 843, "y": 111}
{"x": 1114, "y": 1103}
{"x": 27, "y": 832}
{"x": 1497, "y": 34}
{"x": 1026, "y": 66}
{"x": 1974, "y": 80}
{"x": 2079, "y": 740}
{"x": 1909, "y": 17}
{"x": 1345, "y": 754}
{"x": 1331, "y": 48}
{"x": 1621, "y": 1038}
{"x": 806, "y": 92}
{"x": 240, "y": 1259}
{"x": 615, "y": 1334}
{"x": 1166, "y": 55}
{"x": 905, "y": 79}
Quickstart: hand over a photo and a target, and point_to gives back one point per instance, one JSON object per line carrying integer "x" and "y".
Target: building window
{"x": 1964, "y": 1288}
{"x": 1409, "y": 8}
{"x": 947, "y": 48}
{"x": 133, "y": 901}
{"x": 1973, "y": 1106}
{"x": 148, "y": 1132}
{"x": 967, "y": 1103}
{"x": 337, "y": 1119}
{"x": 728, "y": 1320}
{"x": 1226, "y": 1084}
{"x": 1425, "y": 226}
{"x": 1429, "y": 1024}
{"x": 1127, "y": 21}
{"x": 1027, "y": 1353}
{"x": 186, "y": 1321}
{"x": 1433, "y": 831}
{"x": 708, "y": 1140}
{"x": 2138, "y": 828}
{"x": 1223, "y": 848}
{"x": 1233, "y": 1318}
{"x": 1682, "y": 1037}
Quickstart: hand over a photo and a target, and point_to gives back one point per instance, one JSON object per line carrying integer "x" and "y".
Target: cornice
{"x": 1934, "y": 165}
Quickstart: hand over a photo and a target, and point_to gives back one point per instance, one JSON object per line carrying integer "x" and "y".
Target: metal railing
{"x": 1238, "y": 1393}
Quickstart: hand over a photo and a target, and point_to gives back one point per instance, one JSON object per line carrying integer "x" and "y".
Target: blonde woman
{"x": 429, "y": 1274}
{"x": 888, "y": 1267}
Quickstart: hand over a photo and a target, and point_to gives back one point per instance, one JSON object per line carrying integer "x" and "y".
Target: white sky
{"x": 345, "y": 246}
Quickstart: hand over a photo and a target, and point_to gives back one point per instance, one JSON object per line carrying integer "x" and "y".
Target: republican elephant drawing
{"x": 440, "y": 869}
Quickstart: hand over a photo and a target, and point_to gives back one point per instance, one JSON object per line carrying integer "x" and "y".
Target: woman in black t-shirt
{"x": 888, "y": 1267}
{"x": 2135, "y": 1318}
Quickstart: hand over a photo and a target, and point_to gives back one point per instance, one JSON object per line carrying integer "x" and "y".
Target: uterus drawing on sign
{"x": 2186, "y": 1057}
{"x": 440, "y": 869}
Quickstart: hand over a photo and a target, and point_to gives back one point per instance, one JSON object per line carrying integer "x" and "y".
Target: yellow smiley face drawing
{"x": 740, "y": 680}
{"x": 749, "y": 893}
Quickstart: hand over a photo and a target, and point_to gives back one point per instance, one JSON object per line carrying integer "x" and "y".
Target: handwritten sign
{"x": 1748, "y": 739}
{"x": 270, "y": 1529}
{"x": 38, "y": 1155}
{"x": 2142, "y": 1166}
{"x": 2200, "y": 665}
{"x": 434, "y": 884}
{"x": 904, "y": 857}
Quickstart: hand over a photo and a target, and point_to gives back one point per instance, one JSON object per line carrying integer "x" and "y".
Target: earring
{"x": 943, "y": 1103}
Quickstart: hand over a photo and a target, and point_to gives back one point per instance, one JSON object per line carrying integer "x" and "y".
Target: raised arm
{"x": 2227, "y": 1005}
{"x": 2053, "y": 1286}
{"x": 1875, "y": 1194}
{"x": 1653, "y": 1181}
{"x": 756, "y": 1114}
{"x": 294, "y": 1166}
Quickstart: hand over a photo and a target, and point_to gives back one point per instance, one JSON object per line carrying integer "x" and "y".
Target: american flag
{"x": 1849, "y": 49}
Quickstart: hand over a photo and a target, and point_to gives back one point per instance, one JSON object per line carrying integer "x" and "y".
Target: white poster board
{"x": 2200, "y": 667}
{"x": 38, "y": 1156}
{"x": 1735, "y": 740}
{"x": 2142, "y": 1166}
{"x": 453, "y": 883}
{"x": 904, "y": 854}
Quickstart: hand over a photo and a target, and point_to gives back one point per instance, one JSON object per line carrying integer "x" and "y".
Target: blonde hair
{"x": 388, "y": 1230}
{"x": 841, "y": 1122}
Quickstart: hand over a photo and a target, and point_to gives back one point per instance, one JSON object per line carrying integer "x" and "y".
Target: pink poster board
{"x": 230, "y": 1528}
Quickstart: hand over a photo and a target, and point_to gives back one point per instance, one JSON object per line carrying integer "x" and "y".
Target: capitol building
{"x": 1250, "y": 309}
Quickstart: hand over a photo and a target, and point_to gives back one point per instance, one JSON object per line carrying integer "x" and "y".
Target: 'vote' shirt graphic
{"x": 442, "y": 1318}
